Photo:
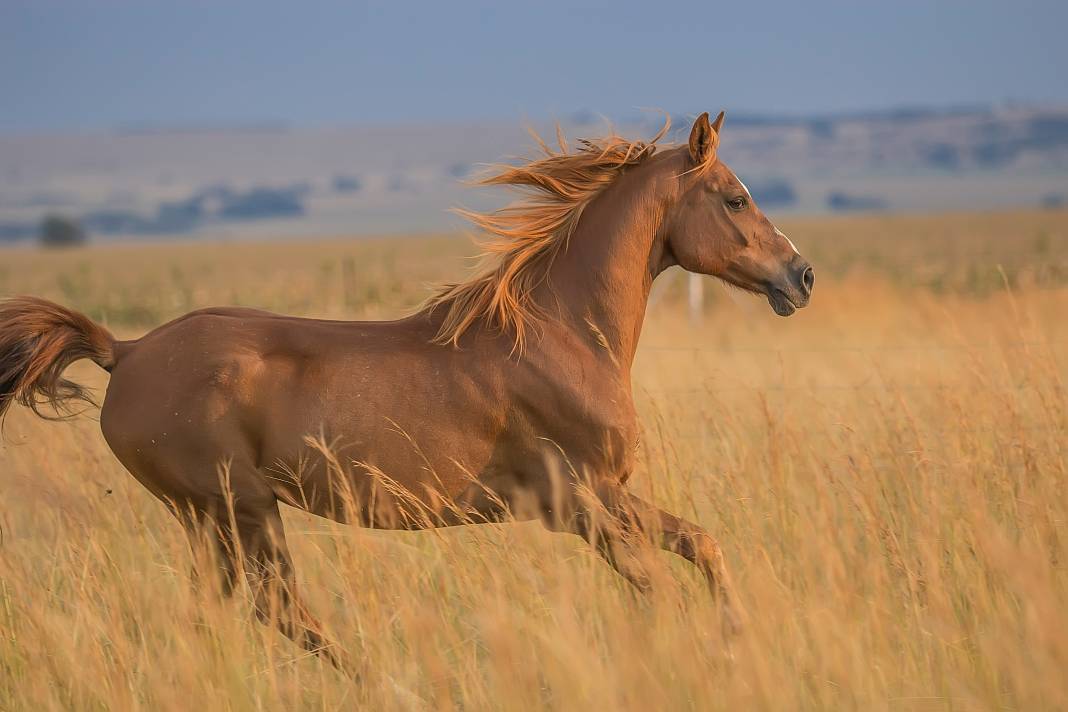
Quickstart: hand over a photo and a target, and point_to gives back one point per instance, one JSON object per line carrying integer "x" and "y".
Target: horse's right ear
{"x": 703, "y": 140}
{"x": 717, "y": 125}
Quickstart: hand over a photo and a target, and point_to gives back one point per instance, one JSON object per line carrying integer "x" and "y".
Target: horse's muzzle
{"x": 794, "y": 290}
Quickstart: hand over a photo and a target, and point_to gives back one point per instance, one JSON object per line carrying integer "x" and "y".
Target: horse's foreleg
{"x": 609, "y": 541}
{"x": 625, "y": 522}
{"x": 693, "y": 543}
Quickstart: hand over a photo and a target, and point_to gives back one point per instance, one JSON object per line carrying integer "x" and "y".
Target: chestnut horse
{"x": 506, "y": 396}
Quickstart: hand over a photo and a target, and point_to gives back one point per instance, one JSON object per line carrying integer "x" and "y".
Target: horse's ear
{"x": 703, "y": 140}
{"x": 717, "y": 125}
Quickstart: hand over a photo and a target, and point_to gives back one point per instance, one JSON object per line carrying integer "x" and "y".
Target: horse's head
{"x": 716, "y": 228}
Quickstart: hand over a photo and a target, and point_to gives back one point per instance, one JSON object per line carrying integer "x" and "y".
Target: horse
{"x": 505, "y": 397}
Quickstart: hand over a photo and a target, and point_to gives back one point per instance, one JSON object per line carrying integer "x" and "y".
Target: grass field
{"x": 887, "y": 472}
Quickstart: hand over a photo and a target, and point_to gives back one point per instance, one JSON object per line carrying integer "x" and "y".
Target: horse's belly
{"x": 388, "y": 460}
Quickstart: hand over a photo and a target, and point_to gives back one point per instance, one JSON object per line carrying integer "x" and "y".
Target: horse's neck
{"x": 600, "y": 283}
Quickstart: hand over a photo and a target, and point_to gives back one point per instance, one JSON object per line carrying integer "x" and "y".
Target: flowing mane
{"x": 524, "y": 237}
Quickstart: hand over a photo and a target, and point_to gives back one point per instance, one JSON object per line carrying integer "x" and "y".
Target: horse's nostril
{"x": 808, "y": 278}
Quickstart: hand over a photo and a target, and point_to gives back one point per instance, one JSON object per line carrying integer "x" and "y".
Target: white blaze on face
{"x": 777, "y": 230}
{"x": 788, "y": 241}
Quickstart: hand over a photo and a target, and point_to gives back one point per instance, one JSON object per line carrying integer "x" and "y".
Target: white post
{"x": 697, "y": 297}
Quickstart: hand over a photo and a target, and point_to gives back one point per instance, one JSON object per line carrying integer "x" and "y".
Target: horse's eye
{"x": 738, "y": 203}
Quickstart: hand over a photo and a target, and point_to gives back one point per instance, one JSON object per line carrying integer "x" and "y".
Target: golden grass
{"x": 886, "y": 471}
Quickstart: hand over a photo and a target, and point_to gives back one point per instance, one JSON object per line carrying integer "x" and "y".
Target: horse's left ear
{"x": 703, "y": 140}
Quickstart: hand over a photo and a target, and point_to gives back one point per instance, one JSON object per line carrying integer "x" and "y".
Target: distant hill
{"x": 277, "y": 180}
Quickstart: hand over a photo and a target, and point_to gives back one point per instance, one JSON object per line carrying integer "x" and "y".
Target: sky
{"x": 89, "y": 65}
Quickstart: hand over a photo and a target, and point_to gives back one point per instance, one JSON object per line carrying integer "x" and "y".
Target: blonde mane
{"x": 523, "y": 238}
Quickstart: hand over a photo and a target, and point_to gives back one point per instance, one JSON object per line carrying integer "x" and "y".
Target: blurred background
{"x": 141, "y": 120}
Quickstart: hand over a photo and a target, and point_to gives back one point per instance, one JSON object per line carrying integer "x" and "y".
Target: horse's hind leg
{"x": 235, "y": 512}
{"x": 251, "y": 539}
{"x": 245, "y": 526}
{"x": 201, "y": 465}
{"x": 209, "y": 553}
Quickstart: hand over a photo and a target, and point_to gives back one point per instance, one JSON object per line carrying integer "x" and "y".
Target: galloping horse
{"x": 505, "y": 396}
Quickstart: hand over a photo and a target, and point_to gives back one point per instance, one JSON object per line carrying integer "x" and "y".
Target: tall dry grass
{"x": 886, "y": 472}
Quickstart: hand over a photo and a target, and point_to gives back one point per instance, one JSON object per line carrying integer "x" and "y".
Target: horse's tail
{"x": 38, "y": 340}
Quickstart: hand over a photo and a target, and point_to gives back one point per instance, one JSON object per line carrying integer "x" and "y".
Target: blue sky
{"x": 96, "y": 64}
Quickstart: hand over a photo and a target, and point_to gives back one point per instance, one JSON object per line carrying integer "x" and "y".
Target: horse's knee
{"x": 701, "y": 548}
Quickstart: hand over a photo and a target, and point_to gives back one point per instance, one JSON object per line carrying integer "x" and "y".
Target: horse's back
{"x": 214, "y": 362}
